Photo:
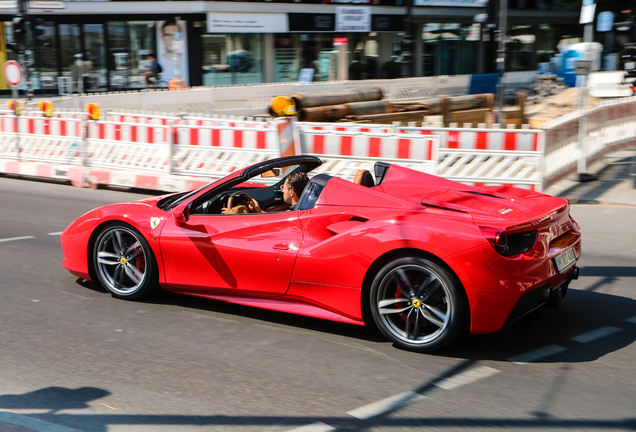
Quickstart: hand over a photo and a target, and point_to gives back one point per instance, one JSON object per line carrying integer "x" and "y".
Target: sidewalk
{"x": 614, "y": 185}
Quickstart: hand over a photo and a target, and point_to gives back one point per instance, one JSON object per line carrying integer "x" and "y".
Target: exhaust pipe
{"x": 575, "y": 273}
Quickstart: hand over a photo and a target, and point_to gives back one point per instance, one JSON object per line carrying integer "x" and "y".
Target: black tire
{"x": 417, "y": 304}
{"x": 124, "y": 263}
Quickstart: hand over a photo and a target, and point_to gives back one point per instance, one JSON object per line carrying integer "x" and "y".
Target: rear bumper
{"x": 546, "y": 296}
{"x": 501, "y": 290}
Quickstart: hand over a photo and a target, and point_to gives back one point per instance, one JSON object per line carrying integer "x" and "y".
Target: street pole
{"x": 23, "y": 12}
{"x": 501, "y": 58}
{"x": 407, "y": 42}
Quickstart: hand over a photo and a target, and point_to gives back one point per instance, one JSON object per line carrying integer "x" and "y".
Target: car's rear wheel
{"x": 418, "y": 304}
{"x": 124, "y": 262}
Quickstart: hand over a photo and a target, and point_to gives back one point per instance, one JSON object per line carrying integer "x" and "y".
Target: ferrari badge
{"x": 154, "y": 222}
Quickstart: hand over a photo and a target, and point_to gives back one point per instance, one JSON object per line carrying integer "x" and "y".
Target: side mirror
{"x": 181, "y": 214}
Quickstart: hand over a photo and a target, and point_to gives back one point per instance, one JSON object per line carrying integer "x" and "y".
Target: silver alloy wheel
{"x": 413, "y": 303}
{"x": 121, "y": 261}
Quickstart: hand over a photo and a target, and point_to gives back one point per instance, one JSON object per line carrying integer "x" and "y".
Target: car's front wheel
{"x": 418, "y": 304}
{"x": 124, "y": 262}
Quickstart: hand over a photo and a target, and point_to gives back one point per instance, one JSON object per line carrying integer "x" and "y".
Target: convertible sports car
{"x": 423, "y": 258}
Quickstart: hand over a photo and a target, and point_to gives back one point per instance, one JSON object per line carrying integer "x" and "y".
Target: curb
{"x": 32, "y": 424}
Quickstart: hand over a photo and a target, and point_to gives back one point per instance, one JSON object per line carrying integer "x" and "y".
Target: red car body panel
{"x": 214, "y": 252}
{"x": 318, "y": 261}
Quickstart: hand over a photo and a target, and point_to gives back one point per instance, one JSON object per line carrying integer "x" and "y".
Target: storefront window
{"x": 129, "y": 45}
{"x": 118, "y": 55}
{"x": 45, "y": 57}
{"x": 318, "y": 52}
{"x": 286, "y": 58}
{"x": 449, "y": 48}
{"x": 521, "y": 49}
{"x": 142, "y": 44}
{"x": 232, "y": 59}
{"x": 70, "y": 45}
{"x": 94, "y": 68}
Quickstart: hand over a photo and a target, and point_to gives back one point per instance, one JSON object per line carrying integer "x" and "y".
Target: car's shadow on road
{"x": 585, "y": 327}
{"x": 581, "y": 312}
{"x": 286, "y": 319}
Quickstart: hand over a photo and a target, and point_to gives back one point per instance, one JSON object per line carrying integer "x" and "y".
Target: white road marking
{"x": 56, "y": 233}
{"x": 15, "y": 238}
{"x": 631, "y": 320}
{"x": 466, "y": 377}
{"x": 537, "y": 354}
{"x": 385, "y": 405}
{"x": 596, "y": 334}
{"x": 314, "y": 427}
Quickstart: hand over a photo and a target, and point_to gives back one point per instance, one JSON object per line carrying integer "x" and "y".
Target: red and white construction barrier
{"x": 483, "y": 139}
{"x": 140, "y": 150}
{"x": 368, "y": 144}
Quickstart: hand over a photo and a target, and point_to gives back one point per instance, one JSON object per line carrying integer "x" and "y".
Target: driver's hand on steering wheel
{"x": 255, "y": 207}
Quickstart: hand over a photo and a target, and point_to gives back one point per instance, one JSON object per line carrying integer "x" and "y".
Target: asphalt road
{"x": 73, "y": 356}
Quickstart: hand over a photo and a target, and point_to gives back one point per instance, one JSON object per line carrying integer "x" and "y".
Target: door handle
{"x": 281, "y": 246}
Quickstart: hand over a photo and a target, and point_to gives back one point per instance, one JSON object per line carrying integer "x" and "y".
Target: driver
{"x": 292, "y": 189}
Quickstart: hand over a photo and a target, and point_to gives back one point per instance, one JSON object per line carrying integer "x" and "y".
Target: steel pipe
{"x": 337, "y": 112}
{"x": 309, "y": 100}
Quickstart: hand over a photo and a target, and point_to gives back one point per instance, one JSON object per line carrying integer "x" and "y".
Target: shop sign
{"x": 8, "y": 4}
{"x": 587, "y": 14}
{"x": 306, "y": 22}
{"x": 451, "y": 3}
{"x": 353, "y": 19}
{"x": 232, "y": 22}
{"x": 340, "y": 41}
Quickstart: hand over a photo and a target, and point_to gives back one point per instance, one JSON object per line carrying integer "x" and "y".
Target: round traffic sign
{"x": 12, "y": 73}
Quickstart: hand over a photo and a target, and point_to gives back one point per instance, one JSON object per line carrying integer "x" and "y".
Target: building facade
{"x": 109, "y": 43}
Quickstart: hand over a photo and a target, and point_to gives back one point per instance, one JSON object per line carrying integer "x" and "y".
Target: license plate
{"x": 565, "y": 260}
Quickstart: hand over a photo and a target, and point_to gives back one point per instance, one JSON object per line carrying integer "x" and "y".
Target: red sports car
{"x": 423, "y": 258}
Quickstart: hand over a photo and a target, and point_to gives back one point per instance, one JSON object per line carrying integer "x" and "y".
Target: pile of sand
{"x": 563, "y": 103}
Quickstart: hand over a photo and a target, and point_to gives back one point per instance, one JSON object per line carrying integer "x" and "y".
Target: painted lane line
{"x": 56, "y": 233}
{"x": 466, "y": 377}
{"x": 596, "y": 334}
{"x": 538, "y": 354}
{"x": 385, "y": 405}
{"x": 314, "y": 427}
{"x": 16, "y": 238}
{"x": 631, "y": 320}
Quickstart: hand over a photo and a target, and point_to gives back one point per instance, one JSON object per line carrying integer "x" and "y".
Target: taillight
{"x": 509, "y": 244}
{"x": 497, "y": 239}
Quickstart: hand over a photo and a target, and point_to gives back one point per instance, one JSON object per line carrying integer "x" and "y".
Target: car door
{"x": 253, "y": 252}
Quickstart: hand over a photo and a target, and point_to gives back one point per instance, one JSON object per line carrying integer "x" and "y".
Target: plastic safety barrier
{"x": 188, "y": 148}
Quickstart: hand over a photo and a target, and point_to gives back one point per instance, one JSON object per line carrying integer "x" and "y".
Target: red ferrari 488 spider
{"x": 423, "y": 258}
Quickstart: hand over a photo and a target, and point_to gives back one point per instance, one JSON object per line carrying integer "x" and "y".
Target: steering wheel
{"x": 241, "y": 208}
